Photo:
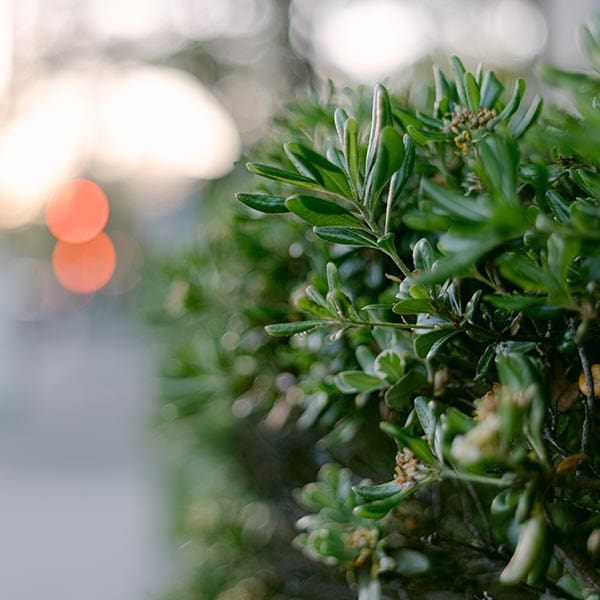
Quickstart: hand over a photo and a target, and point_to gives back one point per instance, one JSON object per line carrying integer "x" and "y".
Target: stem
{"x": 388, "y": 209}
{"x": 578, "y": 568}
{"x": 588, "y": 407}
{"x": 362, "y": 323}
{"x": 502, "y": 483}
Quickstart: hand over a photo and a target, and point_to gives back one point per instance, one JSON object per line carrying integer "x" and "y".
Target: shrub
{"x": 450, "y": 290}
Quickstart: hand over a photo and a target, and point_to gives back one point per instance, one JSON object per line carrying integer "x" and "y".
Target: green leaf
{"x": 359, "y": 381}
{"x": 333, "y": 279}
{"x": 522, "y": 270}
{"x": 319, "y": 212}
{"x": 456, "y": 204}
{"x": 349, "y": 236}
{"x": 425, "y": 412}
{"x": 389, "y": 364}
{"x": 459, "y": 79}
{"x": 316, "y": 297}
{"x": 520, "y": 123}
{"x": 388, "y": 159}
{"x": 561, "y": 251}
{"x": 499, "y": 160}
{"x": 485, "y": 362}
{"x": 465, "y": 252}
{"x": 381, "y": 117}
{"x": 558, "y": 206}
{"x": 401, "y": 177}
{"x": 442, "y": 92}
{"x": 340, "y": 118}
{"x": 351, "y": 151}
{"x": 398, "y": 395}
{"x": 284, "y": 176}
{"x": 472, "y": 91}
{"x": 265, "y": 203}
{"x": 365, "y": 358}
{"x": 424, "y": 137}
{"x": 287, "y": 329}
{"x": 406, "y": 439}
{"x": 491, "y": 89}
{"x": 312, "y": 164}
{"x": 405, "y": 118}
{"x": 513, "y": 104}
{"x": 429, "y": 121}
{"x": 534, "y": 306}
{"x": 377, "y": 492}
{"x": 428, "y": 344}
{"x": 423, "y": 255}
{"x": 413, "y": 306}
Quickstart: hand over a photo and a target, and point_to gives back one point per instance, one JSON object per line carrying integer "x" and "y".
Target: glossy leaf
{"x": 360, "y": 382}
{"x": 428, "y": 344}
{"x": 287, "y": 329}
{"x": 491, "y": 90}
{"x": 413, "y": 306}
{"x": 265, "y": 203}
{"x": 313, "y": 165}
{"x": 377, "y": 492}
{"x": 381, "y": 117}
{"x": 349, "y": 236}
{"x": 277, "y": 174}
{"x": 319, "y": 212}
{"x": 398, "y": 395}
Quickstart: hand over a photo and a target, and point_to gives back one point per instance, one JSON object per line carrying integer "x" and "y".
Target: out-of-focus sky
{"x": 149, "y": 99}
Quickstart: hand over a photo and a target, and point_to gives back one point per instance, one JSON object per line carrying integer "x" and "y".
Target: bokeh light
{"x": 77, "y": 212}
{"x": 84, "y": 268}
{"x": 370, "y": 40}
{"x": 156, "y": 120}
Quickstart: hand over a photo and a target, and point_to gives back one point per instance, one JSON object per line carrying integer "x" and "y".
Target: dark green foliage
{"x": 485, "y": 220}
{"x": 430, "y": 280}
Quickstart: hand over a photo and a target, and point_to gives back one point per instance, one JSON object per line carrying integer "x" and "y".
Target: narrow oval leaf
{"x": 423, "y": 255}
{"x": 513, "y": 104}
{"x": 401, "y": 177}
{"x": 459, "y": 79}
{"x": 472, "y": 91}
{"x": 413, "y": 306}
{"x": 319, "y": 212}
{"x": 381, "y": 117}
{"x": 350, "y": 145}
{"x": 360, "y": 382}
{"x": 287, "y": 329}
{"x": 521, "y": 123}
{"x": 426, "y": 342}
{"x": 349, "y": 236}
{"x": 282, "y": 175}
{"x": 491, "y": 89}
{"x": 398, "y": 396}
{"x": 424, "y": 137}
{"x": 265, "y": 203}
{"x": 377, "y": 492}
{"x": 312, "y": 164}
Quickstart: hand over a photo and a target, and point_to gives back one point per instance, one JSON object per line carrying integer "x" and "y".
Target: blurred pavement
{"x": 80, "y": 505}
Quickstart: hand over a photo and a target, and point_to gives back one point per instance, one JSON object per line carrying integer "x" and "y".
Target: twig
{"x": 588, "y": 407}
{"x": 577, "y": 567}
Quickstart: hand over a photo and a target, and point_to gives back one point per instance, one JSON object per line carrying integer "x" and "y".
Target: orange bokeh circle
{"x": 84, "y": 268}
{"x": 78, "y": 211}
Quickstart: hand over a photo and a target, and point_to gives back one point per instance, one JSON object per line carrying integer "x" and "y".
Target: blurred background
{"x": 152, "y": 101}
